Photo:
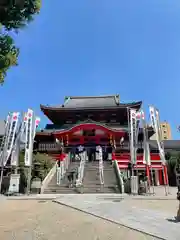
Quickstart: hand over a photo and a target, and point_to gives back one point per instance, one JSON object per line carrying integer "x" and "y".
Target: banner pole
{"x": 1, "y": 177}
{"x": 161, "y": 148}
{"x": 129, "y": 133}
{"x": 29, "y": 180}
{"x": 149, "y": 156}
{"x": 164, "y": 178}
{"x": 152, "y": 180}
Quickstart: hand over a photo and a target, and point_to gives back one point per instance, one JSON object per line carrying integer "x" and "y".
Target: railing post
{"x": 101, "y": 168}
{"x": 58, "y": 174}
{"x": 81, "y": 168}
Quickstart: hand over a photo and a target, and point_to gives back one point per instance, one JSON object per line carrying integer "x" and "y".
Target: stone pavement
{"x": 113, "y": 208}
{"x": 46, "y": 220}
{"x": 159, "y": 195}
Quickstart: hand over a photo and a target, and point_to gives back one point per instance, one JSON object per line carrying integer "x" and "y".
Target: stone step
{"x": 98, "y": 190}
{"x": 61, "y": 190}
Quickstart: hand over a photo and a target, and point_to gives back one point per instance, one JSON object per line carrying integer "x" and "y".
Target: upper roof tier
{"x": 90, "y": 102}
{"x": 82, "y": 108}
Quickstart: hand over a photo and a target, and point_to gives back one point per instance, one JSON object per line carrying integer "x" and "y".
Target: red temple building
{"x": 93, "y": 121}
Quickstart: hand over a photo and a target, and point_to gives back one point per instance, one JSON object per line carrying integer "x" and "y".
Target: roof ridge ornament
{"x": 117, "y": 99}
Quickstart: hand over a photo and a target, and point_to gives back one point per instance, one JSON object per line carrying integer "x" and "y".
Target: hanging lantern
{"x": 114, "y": 143}
{"x": 62, "y": 142}
{"x": 111, "y": 140}
{"x": 67, "y": 140}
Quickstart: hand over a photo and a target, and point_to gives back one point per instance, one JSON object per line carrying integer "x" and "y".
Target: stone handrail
{"x": 48, "y": 178}
{"x": 79, "y": 181}
{"x": 61, "y": 171}
{"x": 119, "y": 175}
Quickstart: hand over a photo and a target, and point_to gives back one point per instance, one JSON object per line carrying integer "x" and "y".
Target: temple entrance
{"x": 91, "y": 154}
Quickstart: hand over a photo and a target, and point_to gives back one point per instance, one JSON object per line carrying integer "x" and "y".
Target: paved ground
{"x": 130, "y": 212}
{"x": 45, "y": 220}
{"x": 169, "y": 206}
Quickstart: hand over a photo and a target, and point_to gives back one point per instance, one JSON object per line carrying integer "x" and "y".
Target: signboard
{"x": 14, "y": 183}
{"x": 80, "y": 149}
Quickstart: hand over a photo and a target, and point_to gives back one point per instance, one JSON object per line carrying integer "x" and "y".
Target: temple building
{"x": 93, "y": 121}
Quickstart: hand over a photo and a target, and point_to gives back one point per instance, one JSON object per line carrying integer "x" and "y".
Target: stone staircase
{"x": 110, "y": 179}
{"x": 63, "y": 188}
{"x": 91, "y": 182}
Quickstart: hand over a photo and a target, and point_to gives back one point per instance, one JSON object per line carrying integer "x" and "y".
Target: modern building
{"x": 165, "y": 131}
{"x": 92, "y": 121}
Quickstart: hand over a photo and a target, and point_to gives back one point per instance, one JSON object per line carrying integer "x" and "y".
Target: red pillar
{"x": 148, "y": 173}
{"x": 165, "y": 175}
{"x": 160, "y": 172}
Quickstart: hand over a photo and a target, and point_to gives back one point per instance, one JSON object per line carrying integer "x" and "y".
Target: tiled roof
{"x": 91, "y": 102}
{"x": 2, "y": 127}
{"x": 83, "y": 102}
{"x": 168, "y": 144}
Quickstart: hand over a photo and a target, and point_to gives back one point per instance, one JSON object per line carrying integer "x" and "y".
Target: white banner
{"x": 11, "y": 135}
{"x": 146, "y": 152}
{"x": 158, "y": 125}
{"x": 15, "y": 153}
{"x": 161, "y": 143}
{"x": 154, "y": 116}
{"x": 133, "y": 137}
{"x": 101, "y": 170}
{"x": 18, "y": 140}
{"x": 5, "y": 138}
{"x": 37, "y": 121}
{"x": 29, "y": 139}
{"x": 23, "y": 128}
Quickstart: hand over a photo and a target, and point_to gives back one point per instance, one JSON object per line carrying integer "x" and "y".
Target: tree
{"x": 41, "y": 165}
{"x": 13, "y": 17}
{"x": 172, "y": 159}
{"x": 8, "y": 55}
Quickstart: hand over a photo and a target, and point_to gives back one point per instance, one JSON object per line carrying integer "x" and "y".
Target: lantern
{"x": 62, "y": 142}
{"x": 111, "y": 140}
{"x": 67, "y": 140}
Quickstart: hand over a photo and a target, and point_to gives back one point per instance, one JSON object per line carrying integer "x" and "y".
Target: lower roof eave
{"x": 90, "y": 126}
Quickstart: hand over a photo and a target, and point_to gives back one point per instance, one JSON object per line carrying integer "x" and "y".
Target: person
{"x": 70, "y": 179}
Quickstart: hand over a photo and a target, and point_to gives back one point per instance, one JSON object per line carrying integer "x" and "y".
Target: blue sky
{"x": 95, "y": 47}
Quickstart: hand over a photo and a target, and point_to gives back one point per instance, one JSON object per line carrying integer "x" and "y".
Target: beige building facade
{"x": 165, "y": 131}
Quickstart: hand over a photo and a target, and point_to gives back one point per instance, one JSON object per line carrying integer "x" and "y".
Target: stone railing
{"x": 48, "y": 178}
{"x": 48, "y": 147}
{"x": 119, "y": 175}
{"x": 79, "y": 181}
{"x": 61, "y": 171}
